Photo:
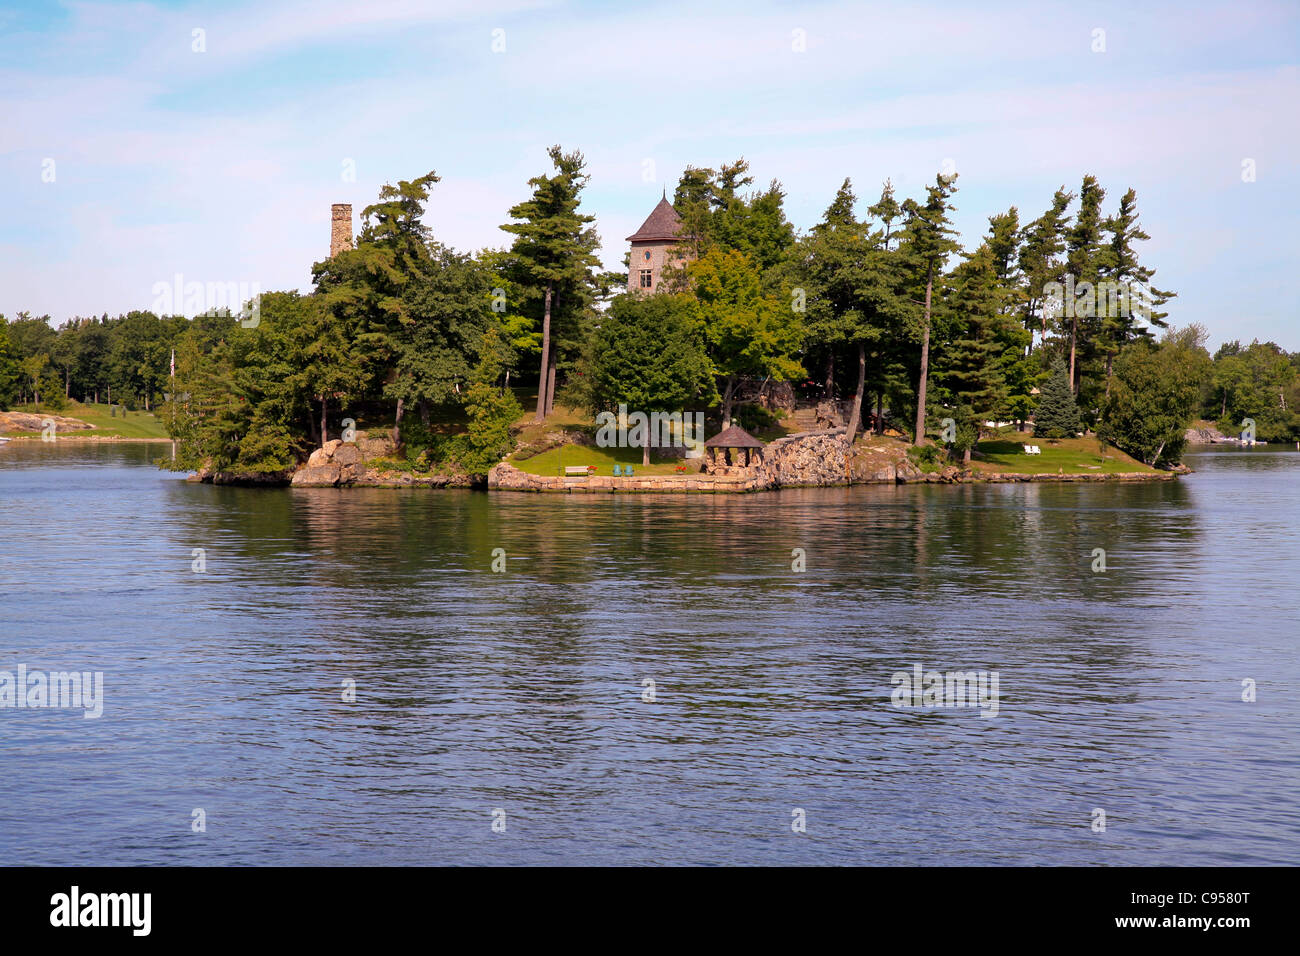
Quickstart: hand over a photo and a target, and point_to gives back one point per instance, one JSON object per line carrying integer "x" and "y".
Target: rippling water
{"x": 522, "y": 690}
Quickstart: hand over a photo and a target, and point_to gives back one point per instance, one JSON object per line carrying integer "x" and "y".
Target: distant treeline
{"x": 879, "y": 307}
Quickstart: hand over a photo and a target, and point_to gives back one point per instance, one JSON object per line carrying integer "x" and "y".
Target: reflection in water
{"x": 522, "y": 690}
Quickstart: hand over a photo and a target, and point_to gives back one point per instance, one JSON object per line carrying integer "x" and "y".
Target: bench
{"x": 1033, "y": 450}
{"x": 576, "y": 471}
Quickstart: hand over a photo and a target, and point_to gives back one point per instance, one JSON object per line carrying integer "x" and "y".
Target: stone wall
{"x": 506, "y": 477}
{"x": 658, "y": 250}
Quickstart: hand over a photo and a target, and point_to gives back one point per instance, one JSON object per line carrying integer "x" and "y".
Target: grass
{"x": 122, "y": 425}
{"x": 1079, "y": 456}
{"x": 553, "y": 461}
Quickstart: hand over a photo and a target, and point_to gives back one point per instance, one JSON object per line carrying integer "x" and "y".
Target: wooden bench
{"x": 576, "y": 471}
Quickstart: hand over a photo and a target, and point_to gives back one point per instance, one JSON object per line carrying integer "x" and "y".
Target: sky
{"x": 140, "y": 141}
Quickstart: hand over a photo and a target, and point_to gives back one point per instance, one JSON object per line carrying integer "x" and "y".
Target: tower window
{"x": 647, "y": 255}
{"x": 646, "y": 278}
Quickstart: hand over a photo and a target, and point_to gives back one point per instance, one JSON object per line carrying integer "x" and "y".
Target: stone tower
{"x": 650, "y": 245}
{"x": 340, "y": 228}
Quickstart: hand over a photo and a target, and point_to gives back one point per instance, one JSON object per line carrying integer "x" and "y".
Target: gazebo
{"x": 731, "y": 442}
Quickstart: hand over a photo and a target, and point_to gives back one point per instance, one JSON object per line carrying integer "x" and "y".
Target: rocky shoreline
{"x": 821, "y": 459}
{"x": 806, "y": 460}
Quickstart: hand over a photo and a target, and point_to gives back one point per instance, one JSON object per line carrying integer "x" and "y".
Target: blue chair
{"x": 617, "y": 471}
{"x": 629, "y": 471}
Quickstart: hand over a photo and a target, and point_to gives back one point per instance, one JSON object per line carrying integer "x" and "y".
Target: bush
{"x": 754, "y": 418}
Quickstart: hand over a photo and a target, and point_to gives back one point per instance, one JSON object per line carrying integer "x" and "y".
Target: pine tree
{"x": 1129, "y": 286}
{"x": 1040, "y": 262}
{"x": 554, "y": 252}
{"x": 1057, "y": 415}
{"x": 1083, "y": 262}
{"x": 926, "y": 245}
{"x": 969, "y": 368}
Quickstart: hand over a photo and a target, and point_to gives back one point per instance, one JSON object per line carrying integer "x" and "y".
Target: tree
{"x": 1154, "y": 397}
{"x": 1129, "y": 284}
{"x": 491, "y": 407}
{"x": 746, "y": 331}
{"x": 715, "y": 215}
{"x": 367, "y": 293}
{"x": 1057, "y": 415}
{"x": 554, "y": 254}
{"x": 647, "y": 355}
{"x": 1083, "y": 262}
{"x": 1254, "y": 382}
{"x": 140, "y": 356}
{"x": 437, "y": 351}
{"x": 850, "y": 300}
{"x": 927, "y": 242}
{"x": 971, "y": 369}
{"x": 10, "y": 370}
{"x": 1039, "y": 261}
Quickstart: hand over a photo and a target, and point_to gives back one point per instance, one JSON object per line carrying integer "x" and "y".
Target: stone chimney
{"x": 340, "y": 228}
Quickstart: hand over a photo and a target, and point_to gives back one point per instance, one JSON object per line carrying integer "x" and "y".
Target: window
{"x": 647, "y": 255}
{"x": 646, "y": 278}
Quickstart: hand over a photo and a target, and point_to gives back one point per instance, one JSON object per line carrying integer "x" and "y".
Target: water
{"x": 522, "y": 691}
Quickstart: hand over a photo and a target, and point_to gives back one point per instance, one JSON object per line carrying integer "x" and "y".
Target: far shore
{"x": 82, "y": 439}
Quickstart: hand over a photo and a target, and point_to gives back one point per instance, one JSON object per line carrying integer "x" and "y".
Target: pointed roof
{"x": 733, "y": 437}
{"x": 663, "y": 223}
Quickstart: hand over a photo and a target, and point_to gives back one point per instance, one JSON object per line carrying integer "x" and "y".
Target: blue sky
{"x": 221, "y": 165}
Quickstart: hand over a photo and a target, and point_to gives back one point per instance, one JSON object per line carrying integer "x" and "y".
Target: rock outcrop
{"x": 1209, "y": 436}
{"x": 810, "y": 459}
{"x": 30, "y": 422}
{"x": 334, "y": 463}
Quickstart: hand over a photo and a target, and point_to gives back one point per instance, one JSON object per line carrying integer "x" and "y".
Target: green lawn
{"x": 1069, "y": 455}
{"x": 553, "y": 462}
{"x": 123, "y": 425}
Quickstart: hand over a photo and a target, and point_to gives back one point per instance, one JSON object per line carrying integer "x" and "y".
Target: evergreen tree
{"x": 1057, "y": 415}
{"x": 1040, "y": 263}
{"x": 10, "y": 371}
{"x": 367, "y": 293}
{"x": 1138, "y": 302}
{"x": 1083, "y": 262}
{"x": 927, "y": 242}
{"x": 969, "y": 368}
{"x": 553, "y": 252}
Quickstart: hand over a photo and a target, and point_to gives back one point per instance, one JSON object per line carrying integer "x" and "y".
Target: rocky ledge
{"x": 359, "y": 464}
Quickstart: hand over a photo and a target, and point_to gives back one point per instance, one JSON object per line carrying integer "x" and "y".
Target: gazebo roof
{"x": 662, "y": 223}
{"x": 733, "y": 437}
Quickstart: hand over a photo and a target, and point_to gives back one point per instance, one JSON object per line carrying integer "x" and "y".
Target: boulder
{"x": 376, "y": 447}
{"x": 347, "y": 454}
{"x": 317, "y": 476}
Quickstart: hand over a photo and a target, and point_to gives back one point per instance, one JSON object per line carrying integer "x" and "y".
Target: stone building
{"x": 651, "y": 244}
{"x": 340, "y": 228}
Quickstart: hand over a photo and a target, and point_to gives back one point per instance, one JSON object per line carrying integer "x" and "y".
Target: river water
{"x": 519, "y": 698}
